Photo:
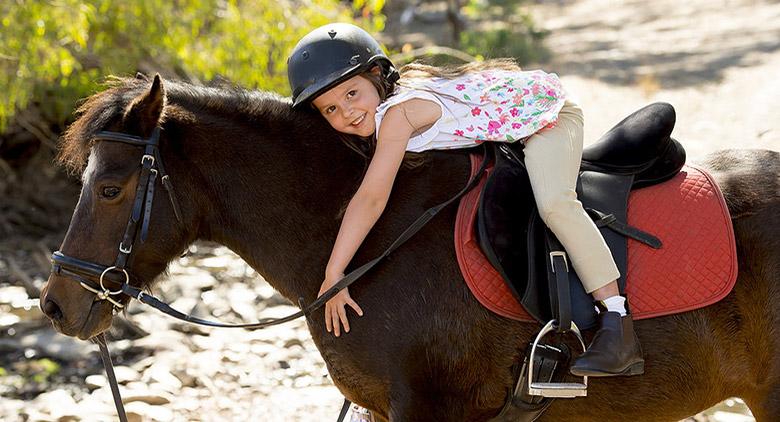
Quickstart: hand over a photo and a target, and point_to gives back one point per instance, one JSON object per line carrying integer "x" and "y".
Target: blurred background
{"x": 716, "y": 61}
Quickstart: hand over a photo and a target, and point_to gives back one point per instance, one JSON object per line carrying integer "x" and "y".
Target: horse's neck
{"x": 274, "y": 190}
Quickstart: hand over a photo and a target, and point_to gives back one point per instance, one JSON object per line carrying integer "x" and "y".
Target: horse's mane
{"x": 109, "y": 105}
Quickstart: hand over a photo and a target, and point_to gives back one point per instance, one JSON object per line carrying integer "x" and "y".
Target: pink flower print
{"x": 516, "y": 125}
{"x": 499, "y": 110}
{"x": 493, "y": 127}
{"x": 552, "y": 93}
{"x": 503, "y": 118}
{"x": 526, "y": 91}
{"x": 513, "y": 111}
{"x": 518, "y": 99}
{"x": 470, "y": 128}
{"x": 458, "y": 132}
{"x": 460, "y": 87}
{"x": 510, "y": 90}
{"x": 475, "y": 111}
{"x": 484, "y": 98}
{"x": 536, "y": 90}
{"x": 504, "y": 102}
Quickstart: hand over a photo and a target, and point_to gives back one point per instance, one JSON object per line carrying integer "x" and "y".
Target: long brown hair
{"x": 366, "y": 146}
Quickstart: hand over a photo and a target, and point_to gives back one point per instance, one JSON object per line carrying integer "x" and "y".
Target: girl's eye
{"x": 351, "y": 94}
{"x": 110, "y": 192}
{"x": 330, "y": 109}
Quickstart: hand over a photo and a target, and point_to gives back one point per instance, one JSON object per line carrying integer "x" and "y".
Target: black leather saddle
{"x": 637, "y": 152}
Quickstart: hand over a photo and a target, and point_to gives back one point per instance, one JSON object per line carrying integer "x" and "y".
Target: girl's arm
{"x": 370, "y": 200}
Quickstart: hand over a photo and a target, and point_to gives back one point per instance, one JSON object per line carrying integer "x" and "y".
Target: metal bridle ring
{"x": 127, "y": 280}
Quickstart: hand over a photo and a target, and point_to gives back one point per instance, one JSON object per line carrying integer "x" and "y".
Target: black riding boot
{"x": 614, "y": 351}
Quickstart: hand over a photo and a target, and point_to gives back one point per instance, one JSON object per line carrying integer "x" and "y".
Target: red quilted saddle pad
{"x": 696, "y": 267}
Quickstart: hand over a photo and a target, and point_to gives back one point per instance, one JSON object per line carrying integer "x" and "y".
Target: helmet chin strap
{"x": 392, "y": 75}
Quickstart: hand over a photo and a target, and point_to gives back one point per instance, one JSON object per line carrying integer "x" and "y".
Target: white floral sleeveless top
{"x": 491, "y": 105}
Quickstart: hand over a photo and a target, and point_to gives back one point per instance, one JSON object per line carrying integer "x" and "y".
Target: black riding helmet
{"x": 330, "y": 55}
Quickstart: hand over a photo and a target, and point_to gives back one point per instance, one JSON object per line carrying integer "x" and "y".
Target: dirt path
{"x": 717, "y": 62}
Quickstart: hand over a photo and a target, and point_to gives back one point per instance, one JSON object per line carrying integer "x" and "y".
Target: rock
{"x": 6, "y": 320}
{"x": 140, "y": 411}
{"x": 25, "y": 309}
{"x": 217, "y": 262}
{"x": 193, "y": 281}
{"x": 161, "y": 374}
{"x": 50, "y": 343}
{"x": 125, "y": 374}
{"x": 57, "y": 403}
{"x": 96, "y": 381}
{"x": 12, "y": 294}
{"x": 10, "y": 406}
{"x": 151, "y": 396}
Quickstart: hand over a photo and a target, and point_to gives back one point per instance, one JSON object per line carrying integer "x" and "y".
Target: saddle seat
{"x": 640, "y": 145}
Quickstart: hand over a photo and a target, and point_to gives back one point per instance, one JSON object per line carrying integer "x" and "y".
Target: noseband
{"x": 85, "y": 271}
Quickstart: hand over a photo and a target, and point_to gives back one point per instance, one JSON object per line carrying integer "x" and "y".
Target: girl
{"x": 342, "y": 72}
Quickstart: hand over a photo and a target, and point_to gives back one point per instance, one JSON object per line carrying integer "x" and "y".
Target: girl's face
{"x": 350, "y": 106}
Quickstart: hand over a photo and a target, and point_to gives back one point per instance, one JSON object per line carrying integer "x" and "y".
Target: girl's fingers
{"x": 343, "y": 316}
{"x": 336, "y": 326}
{"x": 328, "y": 322}
{"x": 336, "y": 313}
{"x": 352, "y": 304}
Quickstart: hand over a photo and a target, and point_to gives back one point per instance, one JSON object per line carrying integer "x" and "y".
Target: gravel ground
{"x": 717, "y": 62}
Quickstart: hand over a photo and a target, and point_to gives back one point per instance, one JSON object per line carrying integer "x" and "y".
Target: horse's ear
{"x": 146, "y": 109}
{"x": 141, "y": 76}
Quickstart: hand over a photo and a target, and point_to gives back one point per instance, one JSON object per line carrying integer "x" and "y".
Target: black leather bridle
{"x": 85, "y": 272}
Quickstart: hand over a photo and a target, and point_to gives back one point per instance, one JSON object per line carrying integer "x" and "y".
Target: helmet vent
{"x": 305, "y": 55}
{"x": 332, "y": 34}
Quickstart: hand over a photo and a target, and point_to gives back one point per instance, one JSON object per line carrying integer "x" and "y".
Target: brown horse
{"x": 270, "y": 183}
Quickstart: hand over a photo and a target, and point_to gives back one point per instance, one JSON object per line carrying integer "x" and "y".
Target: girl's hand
{"x": 335, "y": 311}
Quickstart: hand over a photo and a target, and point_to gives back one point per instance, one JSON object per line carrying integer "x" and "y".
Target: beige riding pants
{"x": 552, "y": 157}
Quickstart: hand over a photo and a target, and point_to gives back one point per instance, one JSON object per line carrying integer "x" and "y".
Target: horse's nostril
{"x": 52, "y": 310}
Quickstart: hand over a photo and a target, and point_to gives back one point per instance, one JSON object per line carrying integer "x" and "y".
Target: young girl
{"x": 342, "y": 72}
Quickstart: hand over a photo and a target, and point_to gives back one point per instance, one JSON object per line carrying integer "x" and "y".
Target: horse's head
{"x": 122, "y": 187}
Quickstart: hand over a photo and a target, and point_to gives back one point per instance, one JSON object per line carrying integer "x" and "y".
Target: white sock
{"x": 615, "y": 303}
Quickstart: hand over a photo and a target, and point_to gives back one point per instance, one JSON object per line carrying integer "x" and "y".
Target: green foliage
{"x": 54, "y": 52}
{"x": 507, "y": 31}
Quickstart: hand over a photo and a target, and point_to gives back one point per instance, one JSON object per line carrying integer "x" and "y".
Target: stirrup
{"x": 567, "y": 390}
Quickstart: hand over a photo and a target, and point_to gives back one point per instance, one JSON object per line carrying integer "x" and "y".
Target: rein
{"x": 84, "y": 272}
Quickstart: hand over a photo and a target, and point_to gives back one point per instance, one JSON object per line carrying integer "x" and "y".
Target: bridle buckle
{"x": 125, "y": 249}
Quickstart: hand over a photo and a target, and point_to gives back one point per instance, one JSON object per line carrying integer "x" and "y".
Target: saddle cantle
{"x": 499, "y": 235}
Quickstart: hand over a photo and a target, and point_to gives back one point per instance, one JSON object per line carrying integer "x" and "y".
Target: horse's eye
{"x": 109, "y": 192}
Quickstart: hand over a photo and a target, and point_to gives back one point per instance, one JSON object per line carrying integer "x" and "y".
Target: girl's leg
{"x": 552, "y": 157}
